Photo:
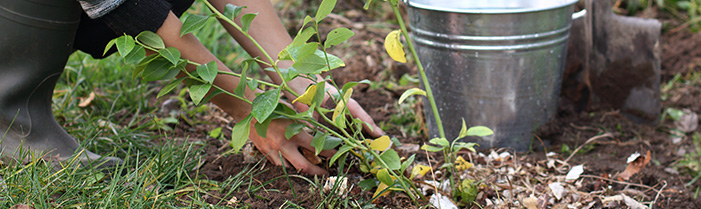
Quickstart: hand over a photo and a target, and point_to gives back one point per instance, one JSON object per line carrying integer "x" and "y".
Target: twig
{"x": 545, "y": 149}
{"x": 620, "y": 182}
{"x": 658, "y": 194}
{"x": 608, "y": 134}
{"x": 583, "y": 128}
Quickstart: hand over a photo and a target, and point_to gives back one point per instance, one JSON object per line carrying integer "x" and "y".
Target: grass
{"x": 124, "y": 121}
{"x": 119, "y": 122}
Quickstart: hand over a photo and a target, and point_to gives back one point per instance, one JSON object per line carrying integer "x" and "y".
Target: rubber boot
{"x": 36, "y": 39}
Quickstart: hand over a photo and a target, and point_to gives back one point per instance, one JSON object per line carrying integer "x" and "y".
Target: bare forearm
{"x": 190, "y": 48}
{"x": 269, "y": 31}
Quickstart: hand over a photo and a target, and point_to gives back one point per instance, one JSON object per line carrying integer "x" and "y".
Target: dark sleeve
{"x": 135, "y": 16}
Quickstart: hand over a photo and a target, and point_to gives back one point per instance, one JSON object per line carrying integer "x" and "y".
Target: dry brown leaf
{"x": 21, "y": 206}
{"x": 311, "y": 157}
{"x": 531, "y": 202}
{"x": 84, "y": 102}
{"x": 635, "y": 167}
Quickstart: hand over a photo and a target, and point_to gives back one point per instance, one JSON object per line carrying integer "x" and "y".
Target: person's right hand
{"x": 276, "y": 146}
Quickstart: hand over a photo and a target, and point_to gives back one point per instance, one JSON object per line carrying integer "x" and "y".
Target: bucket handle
{"x": 579, "y": 14}
{"x": 575, "y": 15}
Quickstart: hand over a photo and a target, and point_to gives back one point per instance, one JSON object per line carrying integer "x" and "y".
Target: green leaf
{"x": 337, "y": 36}
{"x": 341, "y": 151}
{"x": 303, "y": 36}
{"x": 293, "y": 129}
{"x": 169, "y": 87}
{"x": 125, "y": 44}
{"x": 391, "y": 158}
{"x": 440, "y": 141}
{"x": 139, "y": 68}
{"x": 479, "y": 131}
{"x": 171, "y": 54}
{"x": 431, "y": 148}
{"x": 136, "y": 55}
{"x": 246, "y": 21}
{"x": 262, "y": 128}
{"x": 332, "y": 142}
{"x": 316, "y": 63}
{"x": 463, "y": 145}
{"x": 240, "y": 132}
{"x": 312, "y": 64}
{"x": 318, "y": 142}
{"x": 240, "y": 89}
{"x": 320, "y": 94}
{"x": 334, "y": 61}
{"x": 407, "y": 163}
{"x": 253, "y": 84}
{"x": 265, "y": 104}
{"x": 157, "y": 69}
{"x": 367, "y": 184}
{"x": 151, "y": 39}
{"x": 285, "y": 110}
{"x": 231, "y": 11}
{"x": 367, "y": 5}
{"x": 288, "y": 73}
{"x": 208, "y": 72}
{"x": 674, "y": 114}
{"x": 199, "y": 91}
{"x": 324, "y": 9}
{"x": 193, "y": 23}
{"x": 409, "y": 92}
{"x": 109, "y": 45}
{"x": 215, "y": 133}
{"x": 353, "y": 84}
{"x": 302, "y": 51}
{"x": 212, "y": 93}
{"x": 384, "y": 177}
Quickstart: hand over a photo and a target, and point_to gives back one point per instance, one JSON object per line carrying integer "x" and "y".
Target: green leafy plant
{"x": 310, "y": 58}
{"x": 467, "y": 189}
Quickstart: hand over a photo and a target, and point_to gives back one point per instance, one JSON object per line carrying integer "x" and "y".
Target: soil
{"x": 603, "y": 158}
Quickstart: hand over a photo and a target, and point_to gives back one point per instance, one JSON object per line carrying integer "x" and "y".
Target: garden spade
{"x": 614, "y": 62}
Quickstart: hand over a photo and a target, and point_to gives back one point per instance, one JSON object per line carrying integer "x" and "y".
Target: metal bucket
{"x": 495, "y": 63}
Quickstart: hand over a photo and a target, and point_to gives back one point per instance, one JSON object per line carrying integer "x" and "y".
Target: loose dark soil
{"x": 605, "y": 157}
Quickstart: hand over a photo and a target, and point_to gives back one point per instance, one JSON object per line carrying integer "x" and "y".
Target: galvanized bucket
{"x": 495, "y": 63}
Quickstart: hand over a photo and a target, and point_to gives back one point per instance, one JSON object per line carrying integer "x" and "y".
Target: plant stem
{"x": 217, "y": 87}
{"x": 384, "y": 164}
{"x": 429, "y": 93}
{"x": 262, "y": 50}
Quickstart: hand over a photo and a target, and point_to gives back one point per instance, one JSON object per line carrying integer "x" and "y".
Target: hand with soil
{"x": 273, "y": 38}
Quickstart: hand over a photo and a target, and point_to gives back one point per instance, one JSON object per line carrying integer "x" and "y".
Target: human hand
{"x": 353, "y": 106}
{"x": 276, "y": 146}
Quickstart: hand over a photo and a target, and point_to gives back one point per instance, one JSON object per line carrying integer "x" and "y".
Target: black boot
{"x": 36, "y": 38}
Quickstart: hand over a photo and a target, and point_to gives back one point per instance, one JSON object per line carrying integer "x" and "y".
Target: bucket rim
{"x": 564, "y": 3}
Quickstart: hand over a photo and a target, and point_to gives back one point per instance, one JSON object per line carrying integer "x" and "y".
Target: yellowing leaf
{"x": 409, "y": 92}
{"x": 381, "y": 144}
{"x": 380, "y": 191}
{"x": 394, "y": 47}
{"x": 341, "y": 106}
{"x": 419, "y": 170}
{"x": 462, "y": 164}
{"x": 308, "y": 96}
